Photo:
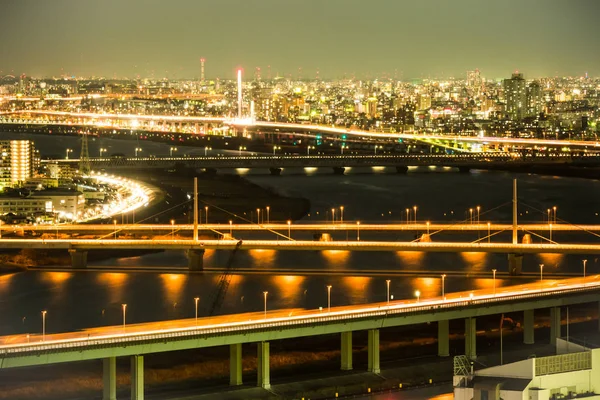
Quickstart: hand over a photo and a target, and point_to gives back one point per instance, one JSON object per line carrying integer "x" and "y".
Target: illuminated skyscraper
{"x": 16, "y": 162}
{"x": 516, "y": 96}
{"x": 534, "y": 99}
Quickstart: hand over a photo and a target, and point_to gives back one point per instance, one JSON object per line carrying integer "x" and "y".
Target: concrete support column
{"x": 339, "y": 170}
{"x": 373, "y": 351}
{"x": 554, "y": 324}
{"x": 263, "y": 375}
{"x": 470, "y": 338}
{"x": 195, "y": 259}
{"x": 137, "y": 377}
{"x": 346, "y": 351}
{"x": 78, "y": 258}
{"x": 444, "y": 338}
{"x": 275, "y": 171}
{"x": 528, "y": 327}
{"x": 235, "y": 364}
{"x": 109, "y": 378}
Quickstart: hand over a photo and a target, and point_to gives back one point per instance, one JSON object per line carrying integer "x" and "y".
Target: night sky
{"x": 367, "y": 38}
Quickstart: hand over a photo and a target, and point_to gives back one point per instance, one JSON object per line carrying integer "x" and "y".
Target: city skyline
{"x": 402, "y": 41}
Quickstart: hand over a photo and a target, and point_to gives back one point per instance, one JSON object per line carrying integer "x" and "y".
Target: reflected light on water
{"x": 378, "y": 169}
{"x": 115, "y": 281}
{"x": 57, "y": 278}
{"x": 429, "y": 287}
{"x": 310, "y": 170}
{"x": 356, "y": 288}
{"x": 263, "y": 258}
{"x": 411, "y": 258}
{"x": 336, "y": 258}
{"x": 475, "y": 261}
{"x": 5, "y": 281}
{"x": 550, "y": 260}
{"x": 290, "y": 288}
{"x": 242, "y": 171}
{"x": 172, "y": 284}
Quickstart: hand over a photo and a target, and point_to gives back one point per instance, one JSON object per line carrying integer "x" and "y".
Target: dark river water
{"x": 75, "y": 300}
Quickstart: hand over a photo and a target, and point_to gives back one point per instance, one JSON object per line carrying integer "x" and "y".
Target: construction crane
{"x": 224, "y": 281}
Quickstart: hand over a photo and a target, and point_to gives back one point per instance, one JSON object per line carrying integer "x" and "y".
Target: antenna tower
{"x": 84, "y": 157}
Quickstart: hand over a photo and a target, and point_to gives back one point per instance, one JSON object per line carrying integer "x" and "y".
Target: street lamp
{"x": 478, "y": 208}
{"x": 265, "y": 295}
{"x": 407, "y": 216}
{"x": 308, "y": 150}
{"x": 44, "y": 325}
{"x": 258, "y": 215}
{"x": 584, "y": 262}
{"x": 275, "y": 148}
{"x": 102, "y": 150}
{"x": 548, "y": 215}
{"x": 541, "y": 273}
{"x": 206, "y": 149}
{"x": 358, "y": 231}
{"x": 137, "y": 149}
{"x": 68, "y": 151}
{"x": 443, "y": 286}
{"x": 172, "y": 229}
{"x": 329, "y": 298}
{"x": 341, "y": 214}
{"x": 240, "y": 150}
{"x": 333, "y": 215}
{"x": 554, "y": 208}
{"x": 387, "y": 281}
{"x": 206, "y": 214}
{"x": 230, "y": 228}
{"x": 471, "y": 211}
{"x": 124, "y": 306}
{"x": 376, "y": 147}
{"x": 428, "y": 227}
{"x": 196, "y": 299}
{"x": 115, "y": 225}
{"x": 494, "y": 272}
{"x": 171, "y": 150}
{"x": 289, "y": 229}
{"x": 342, "y": 147}
{"x": 418, "y": 294}
{"x": 415, "y": 209}
{"x": 268, "y": 214}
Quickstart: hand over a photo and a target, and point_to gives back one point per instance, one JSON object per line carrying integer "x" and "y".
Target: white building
{"x": 16, "y": 162}
{"x": 575, "y": 371}
{"x": 69, "y": 204}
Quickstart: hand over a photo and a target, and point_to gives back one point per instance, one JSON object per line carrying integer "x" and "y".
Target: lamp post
{"x": 494, "y": 272}
{"x": 418, "y": 294}
{"x": 342, "y": 147}
{"x": 443, "y": 286}
{"x": 231, "y": 228}
{"x": 265, "y": 296}
{"x": 308, "y": 150}
{"x": 67, "y": 155}
{"x": 415, "y": 209}
{"x": 548, "y": 215}
{"x": 275, "y": 148}
{"x": 584, "y": 262}
{"x": 358, "y": 231}
{"x": 44, "y": 325}
{"x": 172, "y": 229}
{"x": 171, "y": 150}
{"x": 240, "y": 150}
{"x": 541, "y": 273}
{"x": 124, "y": 306}
{"x": 478, "y": 208}
{"x": 115, "y": 225}
{"x": 341, "y": 214}
{"x": 102, "y": 150}
{"x": 206, "y": 149}
{"x": 329, "y": 298}
{"x": 289, "y": 229}
{"x": 268, "y": 214}
{"x": 407, "y": 216}
{"x": 196, "y": 299}
{"x": 206, "y": 214}
{"x": 428, "y": 227}
{"x": 387, "y": 281}
{"x": 258, "y": 215}
{"x": 554, "y": 208}
{"x": 471, "y": 213}
{"x": 333, "y": 215}
{"x": 137, "y": 149}
{"x": 376, "y": 147}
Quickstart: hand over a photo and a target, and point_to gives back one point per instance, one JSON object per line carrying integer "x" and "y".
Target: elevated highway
{"x": 135, "y": 341}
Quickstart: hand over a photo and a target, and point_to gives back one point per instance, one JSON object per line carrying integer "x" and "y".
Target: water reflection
{"x": 411, "y": 259}
{"x": 289, "y": 287}
{"x": 172, "y": 284}
{"x": 356, "y": 288}
{"x": 263, "y": 258}
{"x": 475, "y": 261}
{"x": 115, "y": 283}
{"x": 551, "y": 260}
{"x": 56, "y": 278}
{"x": 5, "y": 282}
{"x": 336, "y": 258}
{"x": 428, "y": 287}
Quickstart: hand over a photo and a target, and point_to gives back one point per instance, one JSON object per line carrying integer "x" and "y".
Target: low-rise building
{"x": 67, "y": 203}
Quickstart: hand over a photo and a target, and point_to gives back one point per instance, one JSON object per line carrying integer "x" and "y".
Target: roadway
{"x": 433, "y": 227}
{"x": 299, "y": 245}
{"x": 21, "y": 350}
{"x": 103, "y": 120}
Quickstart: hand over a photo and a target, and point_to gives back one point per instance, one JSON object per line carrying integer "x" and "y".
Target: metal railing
{"x": 563, "y": 363}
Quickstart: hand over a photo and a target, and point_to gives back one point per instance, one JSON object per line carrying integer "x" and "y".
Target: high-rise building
{"x": 16, "y": 162}
{"x": 473, "y": 79}
{"x": 534, "y": 99}
{"x": 516, "y": 96}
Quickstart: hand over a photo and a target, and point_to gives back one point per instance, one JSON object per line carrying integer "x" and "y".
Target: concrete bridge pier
{"x": 338, "y": 170}
{"x": 470, "y": 338}
{"x": 346, "y": 351}
{"x": 235, "y": 364}
{"x": 515, "y": 264}
{"x": 275, "y": 171}
{"x": 137, "y": 377}
{"x": 443, "y": 338}
{"x": 554, "y": 324}
{"x": 195, "y": 259}
{"x": 528, "y": 336}
{"x": 262, "y": 366}
{"x": 78, "y": 258}
{"x": 402, "y": 169}
{"x": 109, "y": 378}
{"x": 373, "y": 351}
